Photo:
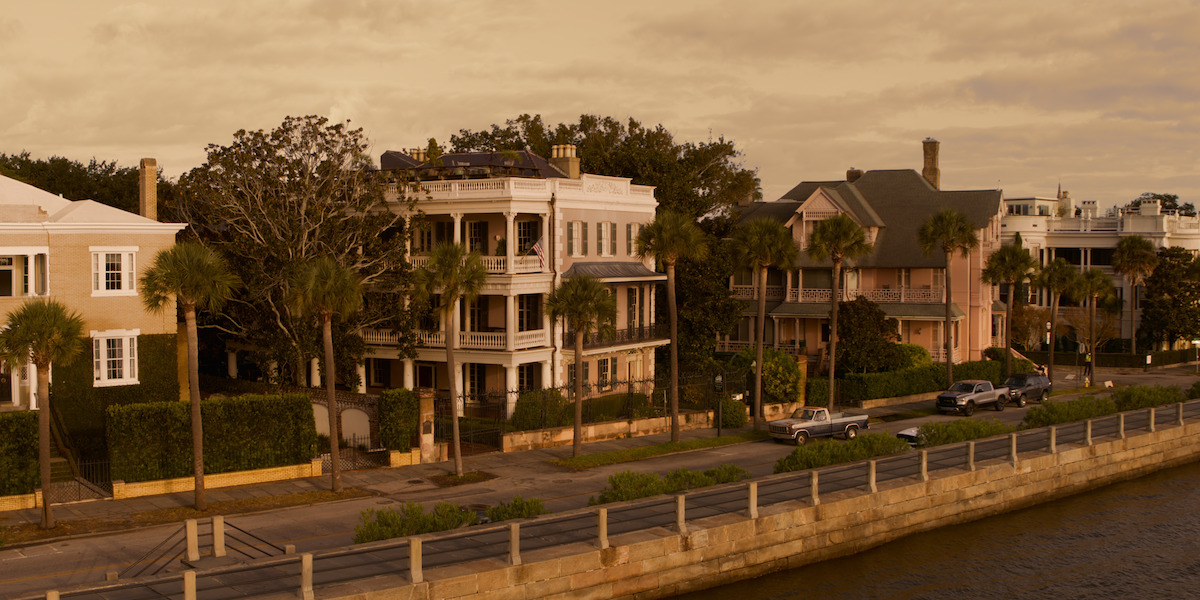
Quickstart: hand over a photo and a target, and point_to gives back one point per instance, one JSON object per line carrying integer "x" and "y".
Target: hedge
{"x": 857, "y": 387}
{"x": 83, "y": 406}
{"x": 153, "y": 441}
{"x": 1122, "y": 360}
{"x": 399, "y": 418}
{"x": 18, "y": 453}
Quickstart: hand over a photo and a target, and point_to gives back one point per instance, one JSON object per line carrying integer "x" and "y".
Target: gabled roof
{"x": 897, "y": 201}
{"x": 24, "y": 203}
{"x": 518, "y": 163}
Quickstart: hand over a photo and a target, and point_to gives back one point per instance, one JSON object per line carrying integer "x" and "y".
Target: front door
{"x": 6, "y": 384}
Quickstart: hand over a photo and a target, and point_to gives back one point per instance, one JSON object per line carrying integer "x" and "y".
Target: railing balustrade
{"x": 621, "y": 336}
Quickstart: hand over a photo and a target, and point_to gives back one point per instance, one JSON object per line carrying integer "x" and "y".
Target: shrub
{"x": 733, "y": 414}
{"x": 816, "y": 391}
{"x": 409, "y": 519}
{"x": 994, "y": 353}
{"x": 541, "y": 409}
{"x": 1054, "y": 413}
{"x": 727, "y": 473}
{"x": 960, "y": 430}
{"x": 783, "y": 380}
{"x": 913, "y": 355}
{"x": 517, "y": 508}
{"x": 867, "y": 445}
{"x": 1194, "y": 391}
{"x": 399, "y": 416}
{"x": 1145, "y": 396}
{"x": 684, "y": 479}
{"x": 18, "y": 453}
{"x": 628, "y": 485}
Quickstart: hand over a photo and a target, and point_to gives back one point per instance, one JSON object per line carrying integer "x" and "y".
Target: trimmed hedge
{"x": 18, "y": 453}
{"x": 153, "y": 441}
{"x": 1123, "y": 360}
{"x": 867, "y": 445}
{"x": 960, "y": 430}
{"x": 83, "y": 407}
{"x": 399, "y": 418}
{"x": 410, "y": 519}
{"x": 857, "y": 387}
{"x": 629, "y": 485}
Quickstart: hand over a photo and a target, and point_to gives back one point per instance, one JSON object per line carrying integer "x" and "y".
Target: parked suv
{"x": 1028, "y": 386}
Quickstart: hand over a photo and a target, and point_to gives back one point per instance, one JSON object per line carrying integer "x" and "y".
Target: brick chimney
{"x": 563, "y": 156}
{"x": 931, "y": 172}
{"x": 148, "y": 189}
{"x": 853, "y": 174}
{"x": 417, "y": 153}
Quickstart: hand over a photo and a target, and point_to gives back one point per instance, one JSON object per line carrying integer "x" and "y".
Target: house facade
{"x": 891, "y": 206}
{"x": 535, "y": 222}
{"x": 87, "y": 256}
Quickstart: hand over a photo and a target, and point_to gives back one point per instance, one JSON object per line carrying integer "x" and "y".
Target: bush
{"x": 1054, "y": 413}
{"x": 913, "y": 355}
{"x": 18, "y": 453}
{"x": 628, "y": 485}
{"x": 542, "y": 409}
{"x": 517, "y": 508}
{"x": 727, "y": 473}
{"x": 867, "y": 445}
{"x": 409, "y": 519}
{"x": 733, "y": 414}
{"x": 1194, "y": 391}
{"x": 816, "y": 391}
{"x": 684, "y": 479}
{"x": 783, "y": 380}
{"x": 399, "y": 419}
{"x": 960, "y": 430}
{"x": 1144, "y": 396}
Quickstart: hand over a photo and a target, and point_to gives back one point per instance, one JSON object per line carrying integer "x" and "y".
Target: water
{"x": 1138, "y": 539}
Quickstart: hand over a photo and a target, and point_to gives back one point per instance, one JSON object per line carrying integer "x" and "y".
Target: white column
{"x": 314, "y": 373}
{"x": 361, "y": 369}
{"x": 408, "y": 373}
{"x": 457, "y": 227}
{"x": 545, "y": 237}
{"x": 457, "y": 324}
{"x": 33, "y": 385}
{"x": 547, "y": 325}
{"x": 547, "y": 376}
{"x": 408, "y": 237}
{"x": 787, "y": 286}
{"x": 510, "y": 387}
{"x": 231, "y": 364}
{"x": 458, "y": 381}
{"x": 510, "y": 323}
{"x": 510, "y": 243}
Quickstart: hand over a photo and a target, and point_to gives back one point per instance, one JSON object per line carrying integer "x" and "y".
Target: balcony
{"x": 473, "y": 340}
{"x": 631, "y": 335}
{"x": 495, "y": 265}
{"x": 793, "y": 348}
{"x": 930, "y": 295}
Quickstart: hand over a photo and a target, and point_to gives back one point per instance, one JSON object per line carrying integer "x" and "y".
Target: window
{"x": 633, "y": 316}
{"x": 528, "y": 232}
{"x": 476, "y": 378}
{"x": 904, "y": 278}
{"x": 606, "y": 239}
{"x": 577, "y": 241}
{"x": 6, "y": 276}
{"x": 423, "y": 239}
{"x": 477, "y": 236}
{"x": 528, "y": 317}
{"x": 527, "y": 376}
{"x": 114, "y": 358}
{"x": 606, "y": 373}
{"x": 631, "y": 232}
{"x": 113, "y": 271}
{"x": 571, "y": 378}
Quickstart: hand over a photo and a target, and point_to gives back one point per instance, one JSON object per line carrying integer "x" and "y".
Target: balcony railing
{"x": 750, "y": 292}
{"x": 790, "y": 347}
{"x": 476, "y": 340}
{"x": 531, "y": 339}
{"x": 932, "y": 295}
{"x": 496, "y": 265}
{"x": 631, "y": 335}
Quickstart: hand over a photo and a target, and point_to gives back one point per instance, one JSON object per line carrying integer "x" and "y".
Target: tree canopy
{"x": 1168, "y": 202}
{"x": 99, "y": 180}
{"x": 271, "y": 201}
{"x": 867, "y": 338}
{"x": 1171, "y": 307}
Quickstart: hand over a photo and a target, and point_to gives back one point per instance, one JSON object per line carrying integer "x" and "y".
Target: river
{"x": 1138, "y": 539}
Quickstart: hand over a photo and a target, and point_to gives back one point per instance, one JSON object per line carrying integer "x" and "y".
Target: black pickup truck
{"x": 1023, "y": 387}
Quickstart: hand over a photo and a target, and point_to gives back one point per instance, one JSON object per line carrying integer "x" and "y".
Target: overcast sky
{"x": 1102, "y": 96}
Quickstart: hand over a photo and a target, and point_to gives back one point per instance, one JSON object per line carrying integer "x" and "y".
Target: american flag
{"x": 537, "y": 249}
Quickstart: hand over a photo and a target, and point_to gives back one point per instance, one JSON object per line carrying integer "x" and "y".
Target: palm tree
{"x": 1093, "y": 284}
{"x": 455, "y": 275}
{"x": 948, "y": 231}
{"x": 670, "y": 237}
{"x": 1134, "y": 259}
{"x": 838, "y": 239}
{"x": 195, "y": 277}
{"x": 758, "y": 245}
{"x": 42, "y": 331}
{"x": 323, "y": 288}
{"x": 1058, "y": 277}
{"x": 588, "y": 306}
{"x": 1011, "y": 264}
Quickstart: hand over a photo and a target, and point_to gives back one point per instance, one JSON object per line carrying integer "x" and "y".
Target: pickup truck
{"x": 1028, "y": 386}
{"x": 965, "y": 396}
{"x": 813, "y": 422}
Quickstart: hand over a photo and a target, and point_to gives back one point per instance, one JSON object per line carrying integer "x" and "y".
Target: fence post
{"x": 871, "y": 487}
{"x": 414, "y": 560}
{"x": 514, "y": 543}
{"x": 924, "y": 465}
{"x": 680, "y": 525}
{"x": 218, "y": 527}
{"x": 193, "y": 545}
{"x": 1179, "y": 414}
{"x": 970, "y": 456}
{"x": 189, "y": 585}
{"x": 752, "y": 500}
{"x": 816, "y": 499}
{"x": 1150, "y": 420}
{"x": 1054, "y": 439}
{"x": 1012, "y": 449}
{"x": 1087, "y": 432}
{"x": 52, "y": 595}
{"x": 1121, "y": 425}
{"x": 289, "y": 549}
{"x": 306, "y": 576}
{"x": 602, "y": 528}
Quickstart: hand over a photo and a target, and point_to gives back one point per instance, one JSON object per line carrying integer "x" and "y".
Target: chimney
{"x": 563, "y": 156}
{"x": 853, "y": 174}
{"x": 417, "y": 153}
{"x": 148, "y": 189}
{"x": 931, "y": 171}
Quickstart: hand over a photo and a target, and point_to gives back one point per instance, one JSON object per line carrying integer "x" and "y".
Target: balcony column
{"x": 231, "y": 364}
{"x": 361, "y": 370}
{"x": 545, "y": 239}
{"x": 408, "y": 235}
{"x": 32, "y": 377}
{"x": 787, "y": 284}
{"x": 547, "y": 324}
{"x": 510, "y": 322}
{"x": 547, "y": 376}
{"x": 510, "y": 243}
{"x": 775, "y": 330}
{"x": 510, "y": 388}
{"x": 314, "y": 373}
{"x": 407, "y": 370}
{"x": 457, "y": 227}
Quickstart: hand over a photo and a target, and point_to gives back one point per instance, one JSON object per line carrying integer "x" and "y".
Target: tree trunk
{"x": 577, "y": 440}
{"x": 833, "y": 311}
{"x": 946, "y": 328}
{"x": 452, "y": 371}
{"x": 43, "y": 375}
{"x": 1132, "y": 319}
{"x": 1012, "y": 292}
{"x": 335, "y": 436}
{"x": 674, "y": 351}
{"x": 1053, "y": 334}
{"x": 1091, "y": 345}
{"x": 761, "y": 326}
{"x": 189, "y": 317}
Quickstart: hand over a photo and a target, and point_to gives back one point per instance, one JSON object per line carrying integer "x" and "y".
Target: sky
{"x": 1101, "y": 96}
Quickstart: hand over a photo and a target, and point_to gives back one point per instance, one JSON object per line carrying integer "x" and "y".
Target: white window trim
{"x": 129, "y": 359}
{"x": 128, "y": 271}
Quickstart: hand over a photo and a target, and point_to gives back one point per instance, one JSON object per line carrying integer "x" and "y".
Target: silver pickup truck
{"x": 814, "y": 421}
{"x": 967, "y": 395}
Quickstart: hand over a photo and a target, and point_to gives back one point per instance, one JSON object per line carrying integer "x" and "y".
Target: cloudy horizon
{"x": 1101, "y": 96}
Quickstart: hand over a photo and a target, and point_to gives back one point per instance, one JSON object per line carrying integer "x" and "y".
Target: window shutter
{"x": 583, "y": 246}
{"x": 95, "y": 271}
{"x": 133, "y": 358}
{"x": 612, "y": 239}
{"x": 600, "y": 239}
{"x": 629, "y": 239}
{"x": 571, "y": 238}
{"x": 130, "y": 282}
{"x": 96, "y": 358}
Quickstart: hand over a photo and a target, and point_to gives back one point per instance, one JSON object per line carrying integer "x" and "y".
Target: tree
{"x": 588, "y": 306}
{"x": 948, "y": 231}
{"x": 1058, "y": 278}
{"x": 190, "y": 276}
{"x": 1029, "y": 325}
{"x": 452, "y": 275}
{"x": 836, "y": 239}
{"x": 1011, "y": 264}
{"x": 758, "y": 245}
{"x": 272, "y": 201}
{"x": 1168, "y": 202}
{"x": 325, "y": 289}
{"x": 1134, "y": 259}
{"x": 670, "y": 237}
{"x": 1094, "y": 285}
{"x": 867, "y": 338}
{"x": 707, "y": 309}
{"x": 1171, "y": 307}
{"x": 43, "y": 332}
{"x": 102, "y": 181}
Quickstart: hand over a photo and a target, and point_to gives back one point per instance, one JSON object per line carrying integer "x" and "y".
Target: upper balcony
{"x": 471, "y": 340}
{"x": 524, "y": 188}
{"x": 619, "y": 337}
{"x": 930, "y": 295}
{"x": 496, "y": 265}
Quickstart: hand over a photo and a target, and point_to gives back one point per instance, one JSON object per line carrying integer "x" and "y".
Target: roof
{"x": 516, "y": 163}
{"x": 922, "y": 311}
{"x": 897, "y": 202}
{"x": 24, "y": 203}
{"x": 615, "y": 271}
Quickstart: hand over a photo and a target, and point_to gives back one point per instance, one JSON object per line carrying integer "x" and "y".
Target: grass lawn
{"x": 632, "y": 454}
